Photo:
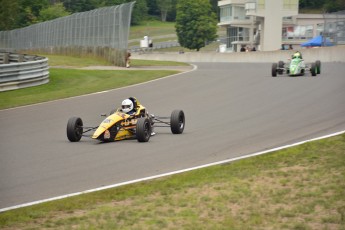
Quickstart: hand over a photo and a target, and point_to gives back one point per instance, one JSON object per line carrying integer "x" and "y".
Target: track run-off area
{"x": 232, "y": 110}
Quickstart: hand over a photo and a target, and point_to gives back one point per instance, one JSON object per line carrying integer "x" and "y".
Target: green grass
{"x": 298, "y": 188}
{"x": 151, "y": 29}
{"x": 71, "y": 82}
{"x": 65, "y": 61}
{"x": 77, "y": 62}
{"x": 66, "y": 83}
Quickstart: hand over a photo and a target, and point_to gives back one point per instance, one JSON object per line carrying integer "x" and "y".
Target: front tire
{"x": 274, "y": 69}
{"x": 177, "y": 121}
{"x": 74, "y": 129}
{"x": 143, "y": 129}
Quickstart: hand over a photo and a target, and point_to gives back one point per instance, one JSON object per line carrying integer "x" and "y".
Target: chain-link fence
{"x": 102, "y": 32}
{"x": 334, "y": 27}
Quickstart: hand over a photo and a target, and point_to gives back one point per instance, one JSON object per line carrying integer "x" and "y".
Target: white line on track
{"x": 169, "y": 173}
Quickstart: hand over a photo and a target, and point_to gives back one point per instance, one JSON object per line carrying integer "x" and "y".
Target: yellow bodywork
{"x": 126, "y": 124}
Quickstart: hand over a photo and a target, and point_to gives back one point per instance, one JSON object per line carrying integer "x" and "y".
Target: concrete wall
{"x": 271, "y": 32}
{"x": 324, "y": 54}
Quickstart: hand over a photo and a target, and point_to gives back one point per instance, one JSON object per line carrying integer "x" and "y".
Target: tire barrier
{"x": 19, "y": 71}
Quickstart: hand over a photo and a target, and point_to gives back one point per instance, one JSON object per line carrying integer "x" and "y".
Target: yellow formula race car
{"x": 120, "y": 126}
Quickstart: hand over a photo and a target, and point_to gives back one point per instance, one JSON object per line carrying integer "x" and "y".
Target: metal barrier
{"x": 20, "y": 71}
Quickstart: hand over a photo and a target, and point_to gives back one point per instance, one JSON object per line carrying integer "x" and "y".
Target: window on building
{"x": 250, "y": 6}
{"x": 297, "y": 32}
{"x": 290, "y": 5}
{"x": 319, "y": 29}
{"x": 261, "y": 4}
{"x": 236, "y": 34}
{"x": 239, "y": 13}
{"x": 226, "y": 13}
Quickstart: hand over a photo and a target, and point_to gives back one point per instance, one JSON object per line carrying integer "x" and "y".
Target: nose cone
{"x": 98, "y": 132}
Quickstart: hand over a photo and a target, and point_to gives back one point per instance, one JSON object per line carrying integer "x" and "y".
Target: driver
{"x": 127, "y": 107}
{"x": 297, "y": 55}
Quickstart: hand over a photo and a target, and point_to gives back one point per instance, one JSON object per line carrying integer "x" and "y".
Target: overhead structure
{"x": 257, "y": 23}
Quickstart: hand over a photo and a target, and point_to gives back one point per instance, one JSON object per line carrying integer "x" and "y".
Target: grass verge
{"x": 151, "y": 29}
{"x": 77, "y": 62}
{"x": 297, "y": 188}
{"x": 73, "y": 82}
{"x": 138, "y": 63}
{"x": 66, "y": 83}
{"x": 70, "y": 61}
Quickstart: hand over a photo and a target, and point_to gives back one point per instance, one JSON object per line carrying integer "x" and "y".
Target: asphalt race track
{"x": 231, "y": 110}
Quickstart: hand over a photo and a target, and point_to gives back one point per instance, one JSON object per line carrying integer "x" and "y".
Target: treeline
{"x": 325, "y": 5}
{"x": 20, "y": 13}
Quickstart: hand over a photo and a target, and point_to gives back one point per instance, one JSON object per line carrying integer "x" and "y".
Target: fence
{"x": 20, "y": 71}
{"x": 102, "y": 32}
{"x": 334, "y": 27}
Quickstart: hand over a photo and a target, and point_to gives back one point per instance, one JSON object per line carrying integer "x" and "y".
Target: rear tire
{"x": 313, "y": 69}
{"x": 318, "y": 66}
{"x": 143, "y": 129}
{"x": 177, "y": 121}
{"x": 274, "y": 69}
{"x": 74, "y": 129}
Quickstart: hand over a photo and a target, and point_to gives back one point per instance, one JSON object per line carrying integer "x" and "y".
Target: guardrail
{"x": 21, "y": 70}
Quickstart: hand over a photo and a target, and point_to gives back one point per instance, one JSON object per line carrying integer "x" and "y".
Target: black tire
{"x": 281, "y": 67}
{"x": 143, "y": 129}
{"x": 74, "y": 129}
{"x": 177, "y": 121}
{"x": 281, "y": 64}
{"x": 274, "y": 69}
{"x": 318, "y": 66}
{"x": 313, "y": 69}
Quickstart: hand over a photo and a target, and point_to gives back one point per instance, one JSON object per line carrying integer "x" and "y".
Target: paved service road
{"x": 231, "y": 110}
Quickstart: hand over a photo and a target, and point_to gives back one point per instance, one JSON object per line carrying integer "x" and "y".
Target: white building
{"x": 269, "y": 24}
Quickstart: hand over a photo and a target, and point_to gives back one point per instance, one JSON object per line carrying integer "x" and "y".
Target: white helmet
{"x": 127, "y": 105}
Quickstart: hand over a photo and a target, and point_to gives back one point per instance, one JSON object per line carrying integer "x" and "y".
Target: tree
{"x": 196, "y": 23}
{"x": 311, "y": 4}
{"x": 9, "y": 14}
{"x": 214, "y": 4}
{"x": 172, "y": 13}
{"x": 29, "y": 11}
{"x": 164, "y": 7}
{"x": 52, "y": 12}
{"x": 152, "y": 7}
{"x": 333, "y": 6}
{"x": 74, "y": 6}
{"x": 139, "y": 13}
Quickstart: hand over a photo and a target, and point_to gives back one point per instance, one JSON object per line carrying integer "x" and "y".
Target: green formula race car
{"x": 296, "y": 67}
